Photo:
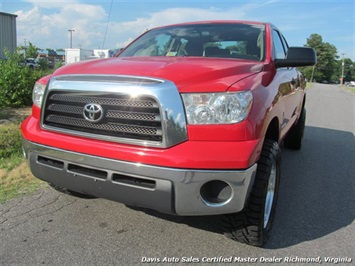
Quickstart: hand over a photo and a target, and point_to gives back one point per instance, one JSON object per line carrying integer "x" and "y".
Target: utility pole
{"x": 25, "y": 48}
{"x": 71, "y": 37}
{"x": 313, "y": 73}
{"x": 342, "y": 70}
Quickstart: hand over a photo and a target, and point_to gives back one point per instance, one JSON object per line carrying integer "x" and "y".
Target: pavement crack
{"x": 42, "y": 204}
{"x": 55, "y": 210}
{"x": 16, "y": 225}
{"x": 4, "y": 221}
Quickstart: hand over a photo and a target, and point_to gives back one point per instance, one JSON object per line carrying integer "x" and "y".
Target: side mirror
{"x": 298, "y": 56}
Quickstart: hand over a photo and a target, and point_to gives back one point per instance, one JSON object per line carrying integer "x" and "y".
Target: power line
{"x": 108, "y": 21}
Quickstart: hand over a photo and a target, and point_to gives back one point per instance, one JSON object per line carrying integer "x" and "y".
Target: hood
{"x": 188, "y": 73}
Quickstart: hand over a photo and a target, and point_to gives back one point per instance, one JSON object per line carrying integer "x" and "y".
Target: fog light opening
{"x": 216, "y": 193}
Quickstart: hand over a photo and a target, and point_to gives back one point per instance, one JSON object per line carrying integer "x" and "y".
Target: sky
{"x": 110, "y": 24}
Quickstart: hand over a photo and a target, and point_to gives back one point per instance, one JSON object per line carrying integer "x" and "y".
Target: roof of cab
{"x": 215, "y": 22}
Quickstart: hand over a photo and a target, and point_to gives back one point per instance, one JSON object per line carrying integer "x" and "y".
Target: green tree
{"x": 17, "y": 80}
{"x": 349, "y": 70}
{"x": 326, "y": 59}
{"x": 30, "y": 51}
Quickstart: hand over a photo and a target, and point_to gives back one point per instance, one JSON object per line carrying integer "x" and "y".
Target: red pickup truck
{"x": 186, "y": 120}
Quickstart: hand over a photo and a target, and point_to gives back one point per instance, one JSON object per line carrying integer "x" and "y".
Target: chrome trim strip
{"x": 164, "y": 92}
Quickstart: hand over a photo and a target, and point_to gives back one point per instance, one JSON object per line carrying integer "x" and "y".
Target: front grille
{"x": 136, "y": 118}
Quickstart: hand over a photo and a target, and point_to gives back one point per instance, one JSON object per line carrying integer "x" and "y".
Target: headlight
{"x": 217, "y": 108}
{"x": 37, "y": 95}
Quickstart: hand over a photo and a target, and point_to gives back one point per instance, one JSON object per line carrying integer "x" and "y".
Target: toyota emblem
{"x": 93, "y": 112}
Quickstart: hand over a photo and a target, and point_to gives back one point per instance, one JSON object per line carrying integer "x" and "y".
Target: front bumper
{"x": 167, "y": 190}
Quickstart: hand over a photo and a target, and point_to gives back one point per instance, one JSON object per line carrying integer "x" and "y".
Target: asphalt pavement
{"x": 314, "y": 221}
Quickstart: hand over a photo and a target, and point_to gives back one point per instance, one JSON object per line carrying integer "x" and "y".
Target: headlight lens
{"x": 37, "y": 95}
{"x": 217, "y": 108}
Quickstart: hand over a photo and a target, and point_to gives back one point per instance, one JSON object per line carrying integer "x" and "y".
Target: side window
{"x": 279, "y": 50}
{"x": 284, "y": 43}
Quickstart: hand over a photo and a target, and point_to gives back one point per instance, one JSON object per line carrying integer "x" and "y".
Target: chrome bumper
{"x": 168, "y": 190}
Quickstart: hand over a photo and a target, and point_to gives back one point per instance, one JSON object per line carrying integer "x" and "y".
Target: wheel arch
{"x": 304, "y": 101}
{"x": 273, "y": 132}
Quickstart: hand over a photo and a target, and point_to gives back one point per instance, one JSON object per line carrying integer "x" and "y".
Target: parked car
{"x": 29, "y": 62}
{"x": 186, "y": 120}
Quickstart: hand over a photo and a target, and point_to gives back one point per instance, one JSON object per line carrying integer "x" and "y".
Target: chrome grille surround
{"x": 137, "y": 110}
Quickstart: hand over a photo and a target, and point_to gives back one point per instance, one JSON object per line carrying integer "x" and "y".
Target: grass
{"x": 15, "y": 176}
{"x": 309, "y": 85}
{"x": 18, "y": 181}
{"x": 352, "y": 89}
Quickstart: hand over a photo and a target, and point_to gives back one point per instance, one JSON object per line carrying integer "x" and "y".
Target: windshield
{"x": 243, "y": 41}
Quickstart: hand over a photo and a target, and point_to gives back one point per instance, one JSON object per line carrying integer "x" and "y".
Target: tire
{"x": 293, "y": 139}
{"x": 71, "y": 192}
{"x": 253, "y": 225}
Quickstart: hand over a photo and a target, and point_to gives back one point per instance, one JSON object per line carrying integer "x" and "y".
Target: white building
{"x": 73, "y": 55}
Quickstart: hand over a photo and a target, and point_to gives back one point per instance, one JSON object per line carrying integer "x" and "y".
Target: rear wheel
{"x": 253, "y": 225}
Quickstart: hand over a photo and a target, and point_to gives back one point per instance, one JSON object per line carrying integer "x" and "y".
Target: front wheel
{"x": 253, "y": 225}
